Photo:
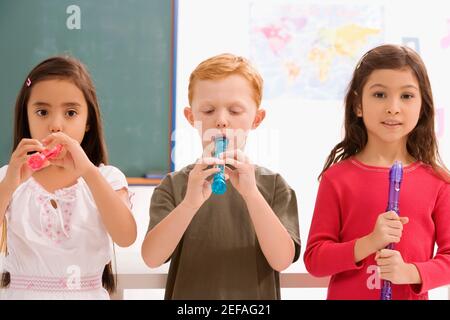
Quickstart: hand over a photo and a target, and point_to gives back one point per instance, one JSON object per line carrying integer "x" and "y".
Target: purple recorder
{"x": 395, "y": 179}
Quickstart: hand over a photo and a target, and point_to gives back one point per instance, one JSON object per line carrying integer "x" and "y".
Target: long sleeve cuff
{"x": 433, "y": 274}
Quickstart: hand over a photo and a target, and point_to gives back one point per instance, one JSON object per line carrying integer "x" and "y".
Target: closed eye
{"x": 235, "y": 110}
{"x": 208, "y": 111}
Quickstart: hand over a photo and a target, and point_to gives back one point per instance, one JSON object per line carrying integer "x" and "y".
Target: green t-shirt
{"x": 219, "y": 256}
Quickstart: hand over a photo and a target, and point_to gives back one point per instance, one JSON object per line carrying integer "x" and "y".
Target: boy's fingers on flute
{"x": 234, "y": 163}
{"x": 202, "y": 163}
{"x": 206, "y": 173}
{"x": 235, "y": 154}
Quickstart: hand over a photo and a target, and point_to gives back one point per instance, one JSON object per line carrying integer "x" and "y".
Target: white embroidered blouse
{"x": 57, "y": 236}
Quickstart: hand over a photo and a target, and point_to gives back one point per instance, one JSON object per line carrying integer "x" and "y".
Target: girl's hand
{"x": 198, "y": 188}
{"x": 243, "y": 177}
{"x": 72, "y": 156}
{"x": 392, "y": 267}
{"x": 388, "y": 229}
{"x": 18, "y": 170}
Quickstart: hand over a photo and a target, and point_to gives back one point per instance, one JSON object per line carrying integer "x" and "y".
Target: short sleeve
{"x": 162, "y": 202}
{"x": 116, "y": 180}
{"x": 284, "y": 205}
{"x": 3, "y": 171}
{"x": 114, "y": 176}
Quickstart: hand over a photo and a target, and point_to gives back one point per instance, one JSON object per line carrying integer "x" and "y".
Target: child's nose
{"x": 392, "y": 111}
{"x": 393, "y": 107}
{"x": 221, "y": 122}
{"x": 55, "y": 125}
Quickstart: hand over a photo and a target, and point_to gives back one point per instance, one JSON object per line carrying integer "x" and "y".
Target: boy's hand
{"x": 393, "y": 268}
{"x": 199, "y": 188}
{"x": 18, "y": 170}
{"x": 388, "y": 229}
{"x": 243, "y": 177}
{"x": 72, "y": 155}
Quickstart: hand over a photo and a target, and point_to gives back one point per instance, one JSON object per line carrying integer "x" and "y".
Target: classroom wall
{"x": 299, "y": 131}
{"x": 303, "y": 123}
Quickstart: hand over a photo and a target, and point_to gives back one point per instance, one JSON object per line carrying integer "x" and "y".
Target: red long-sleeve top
{"x": 351, "y": 195}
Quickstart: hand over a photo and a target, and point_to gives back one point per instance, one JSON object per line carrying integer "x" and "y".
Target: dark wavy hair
{"x": 421, "y": 142}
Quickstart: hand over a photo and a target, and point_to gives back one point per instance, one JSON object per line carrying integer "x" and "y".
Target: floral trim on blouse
{"x": 55, "y": 222}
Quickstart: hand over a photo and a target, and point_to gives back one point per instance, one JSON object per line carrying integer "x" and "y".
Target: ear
{"x": 87, "y": 128}
{"x": 358, "y": 111}
{"x": 259, "y": 117}
{"x": 189, "y": 115}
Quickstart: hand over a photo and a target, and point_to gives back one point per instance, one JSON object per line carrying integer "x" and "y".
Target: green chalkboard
{"x": 126, "y": 45}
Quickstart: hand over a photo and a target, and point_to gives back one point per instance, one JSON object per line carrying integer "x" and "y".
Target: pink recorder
{"x": 37, "y": 160}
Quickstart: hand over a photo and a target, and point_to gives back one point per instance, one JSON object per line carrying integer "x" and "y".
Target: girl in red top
{"x": 389, "y": 116}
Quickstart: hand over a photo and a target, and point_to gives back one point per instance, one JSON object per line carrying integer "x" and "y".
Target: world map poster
{"x": 309, "y": 51}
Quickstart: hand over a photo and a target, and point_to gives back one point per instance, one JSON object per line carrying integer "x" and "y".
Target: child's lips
{"x": 391, "y": 123}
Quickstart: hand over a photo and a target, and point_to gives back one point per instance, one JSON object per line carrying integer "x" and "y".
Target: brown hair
{"x": 93, "y": 144}
{"x": 421, "y": 142}
{"x": 223, "y": 65}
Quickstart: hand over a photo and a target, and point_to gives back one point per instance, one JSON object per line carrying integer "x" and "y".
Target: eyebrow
{"x": 403, "y": 87}
{"x": 205, "y": 105}
{"x": 65, "y": 104}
